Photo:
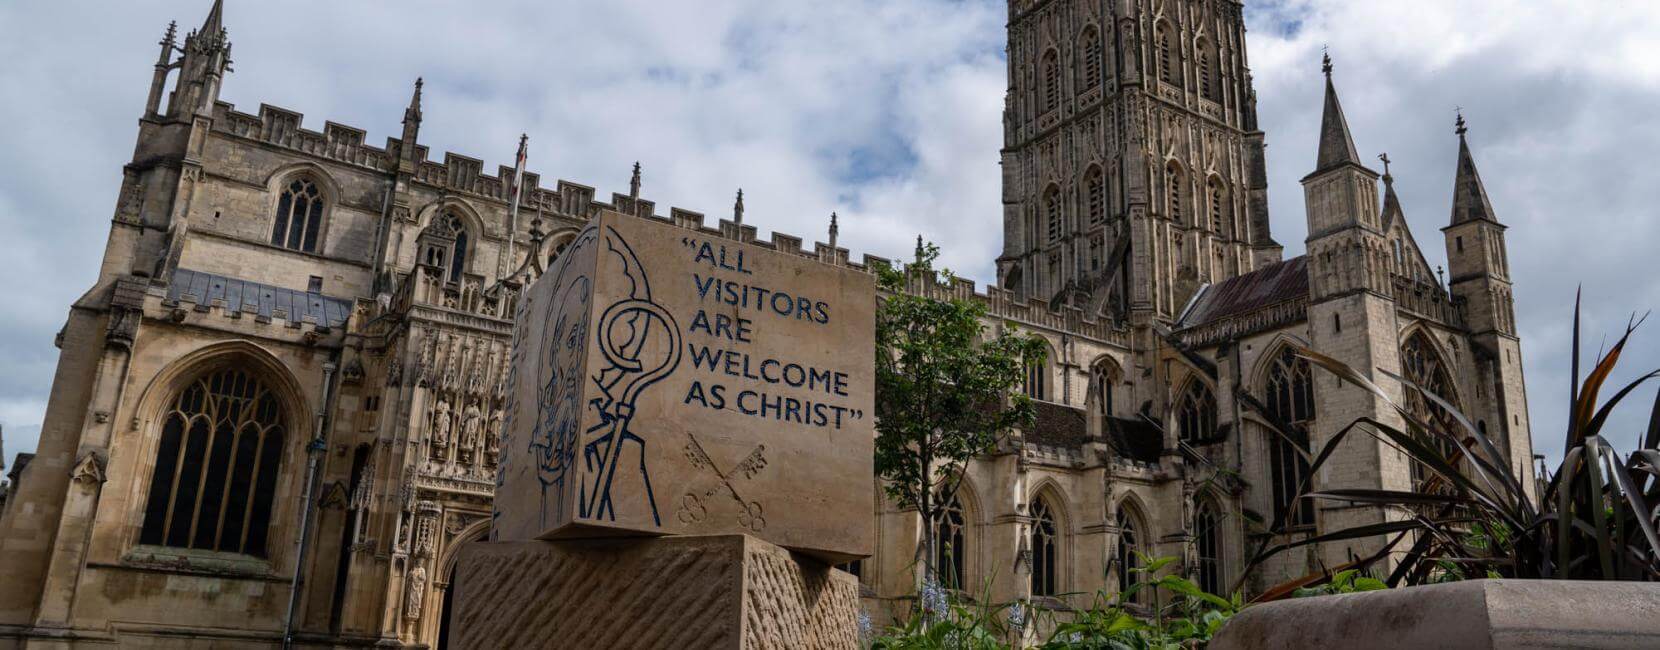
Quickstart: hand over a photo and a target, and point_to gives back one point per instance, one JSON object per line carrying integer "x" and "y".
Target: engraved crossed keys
{"x": 694, "y": 507}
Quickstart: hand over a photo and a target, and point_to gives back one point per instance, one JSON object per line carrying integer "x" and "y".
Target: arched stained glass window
{"x": 1290, "y": 392}
{"x": 1196, "y": 413}
{"x": 458, "y": 259}
{"x": 444, "y": 245}
{"x": 1037, "y": 376}
{"x": 217, "y": 464}
{"x": 299, "y": 218}
{"x": 1423, "y": 366}
{"x": 1130, "y": 550}
{"x": 951, "y": 544}
{"x": 1207, "y": 536}
{"x": 1044, "y": 541}
{"x": 1103, "y": 376}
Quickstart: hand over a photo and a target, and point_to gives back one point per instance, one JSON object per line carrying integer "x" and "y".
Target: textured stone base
{"x": 726, "y": 591}
{"x": 1470, "y": 615}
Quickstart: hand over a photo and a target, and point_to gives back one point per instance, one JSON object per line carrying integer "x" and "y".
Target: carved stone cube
{"x": 669, "y": 381}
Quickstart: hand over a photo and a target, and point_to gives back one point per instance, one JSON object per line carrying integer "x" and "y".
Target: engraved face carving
{"x": 554, "y": 441}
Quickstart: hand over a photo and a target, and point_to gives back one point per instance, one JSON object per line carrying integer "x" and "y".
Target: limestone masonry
{"x": 716, "y": 592}
{"x": 278, "y": 412}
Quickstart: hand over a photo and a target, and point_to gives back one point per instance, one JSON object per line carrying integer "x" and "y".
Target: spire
{"x": 536, "y": 233}
{"x": 833, "y": 230}
{"x": 634, "y": 182}
{"x": 738, "y": 208}
{"x": 1336, "y": 145}
{"x": 1391, "y": 203}
{"x": 1470, "y": 201}
{"x": 215, "y": 22}
{"x": 409, "y": 153}
{"x": 168, "y": 42}
{"x": 164, "y": 63}
{"x": 413, "y": 112}
{"x": 919, "y": 251}
{"x": 207, "y": 57}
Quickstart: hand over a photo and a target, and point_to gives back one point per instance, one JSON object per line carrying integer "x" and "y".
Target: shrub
{"x": 1591, "y": 519}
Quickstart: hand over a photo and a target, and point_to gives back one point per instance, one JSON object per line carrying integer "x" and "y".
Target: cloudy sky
{"x": 886, "y": 111}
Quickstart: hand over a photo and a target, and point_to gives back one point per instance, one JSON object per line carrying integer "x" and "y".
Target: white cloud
{"x": 887, "y": 112}
{"x": 1559, "y": 97}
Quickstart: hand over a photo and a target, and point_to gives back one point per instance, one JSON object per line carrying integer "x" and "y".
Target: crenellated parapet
{"x": 464, "y": 176}
{"x": 281, "y": 127}
{"x": 1427, "y": 300}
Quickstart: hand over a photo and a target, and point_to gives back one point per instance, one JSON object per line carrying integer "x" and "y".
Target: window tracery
{"x": 951, "y": 543}
{"x": 1423, "y": 366}
{"x": 1290, "y": 393}
{"x": 1044, "y": 541}
{"x": 1208, "y": 542}
{"x": 1196, "y": 413}
{"x": 299, "y": 217}
{"x": 444, "y": 245}
{"x": 1130, "y": 551}
{"x": 217, "y": 462}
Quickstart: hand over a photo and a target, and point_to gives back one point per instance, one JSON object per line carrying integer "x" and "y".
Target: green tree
{"x": 945, "y": 390}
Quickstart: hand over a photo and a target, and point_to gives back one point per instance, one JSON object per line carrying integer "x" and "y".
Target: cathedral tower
{"x": 1132, "y": 167}
{"x": 1352, "y": 317}
{"x": 45, "y": 546}
{"x": 1345, "y": 234}
{"x": 1480, "y": 280}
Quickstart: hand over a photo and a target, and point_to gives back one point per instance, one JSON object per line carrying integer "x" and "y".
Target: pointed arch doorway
{"x": 473, "y": 533}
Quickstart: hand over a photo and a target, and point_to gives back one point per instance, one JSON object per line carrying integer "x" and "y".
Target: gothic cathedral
{"x": 275, "y": 414}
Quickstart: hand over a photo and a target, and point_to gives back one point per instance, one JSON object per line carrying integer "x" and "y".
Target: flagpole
{"x": 513, "y": 211}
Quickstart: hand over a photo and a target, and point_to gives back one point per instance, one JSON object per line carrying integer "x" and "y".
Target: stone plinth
{"x": 725, "y": 591}
{"x": 1465, "y": 615}
{"x": 667, "y": 381}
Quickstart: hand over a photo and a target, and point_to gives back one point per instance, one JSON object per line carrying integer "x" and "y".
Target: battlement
{"x": 464, "y": 175}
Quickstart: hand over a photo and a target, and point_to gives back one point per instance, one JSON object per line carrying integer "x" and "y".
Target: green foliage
{"x": 1182, "y": 616}
{"x": 945, "y": 390}
{"x": 961, "y": 628}
{"x": 1474, "y": 518}
{"x": 1347, "y": 581}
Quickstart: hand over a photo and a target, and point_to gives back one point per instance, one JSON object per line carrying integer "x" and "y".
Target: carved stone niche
{"x": 88, "y": 471}
{"x": 126, "y": 310}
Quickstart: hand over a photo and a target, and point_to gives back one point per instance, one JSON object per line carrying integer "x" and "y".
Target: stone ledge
{"x": 1467, "y": 615}
{"x": 718, "y": 591}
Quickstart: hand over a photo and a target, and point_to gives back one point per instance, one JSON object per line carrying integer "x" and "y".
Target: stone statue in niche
{"x": 492, "y": 441}
{"x": 417, "y": 591}
{"x": 440, "y": 427}
{"x": 472, "y": 431}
